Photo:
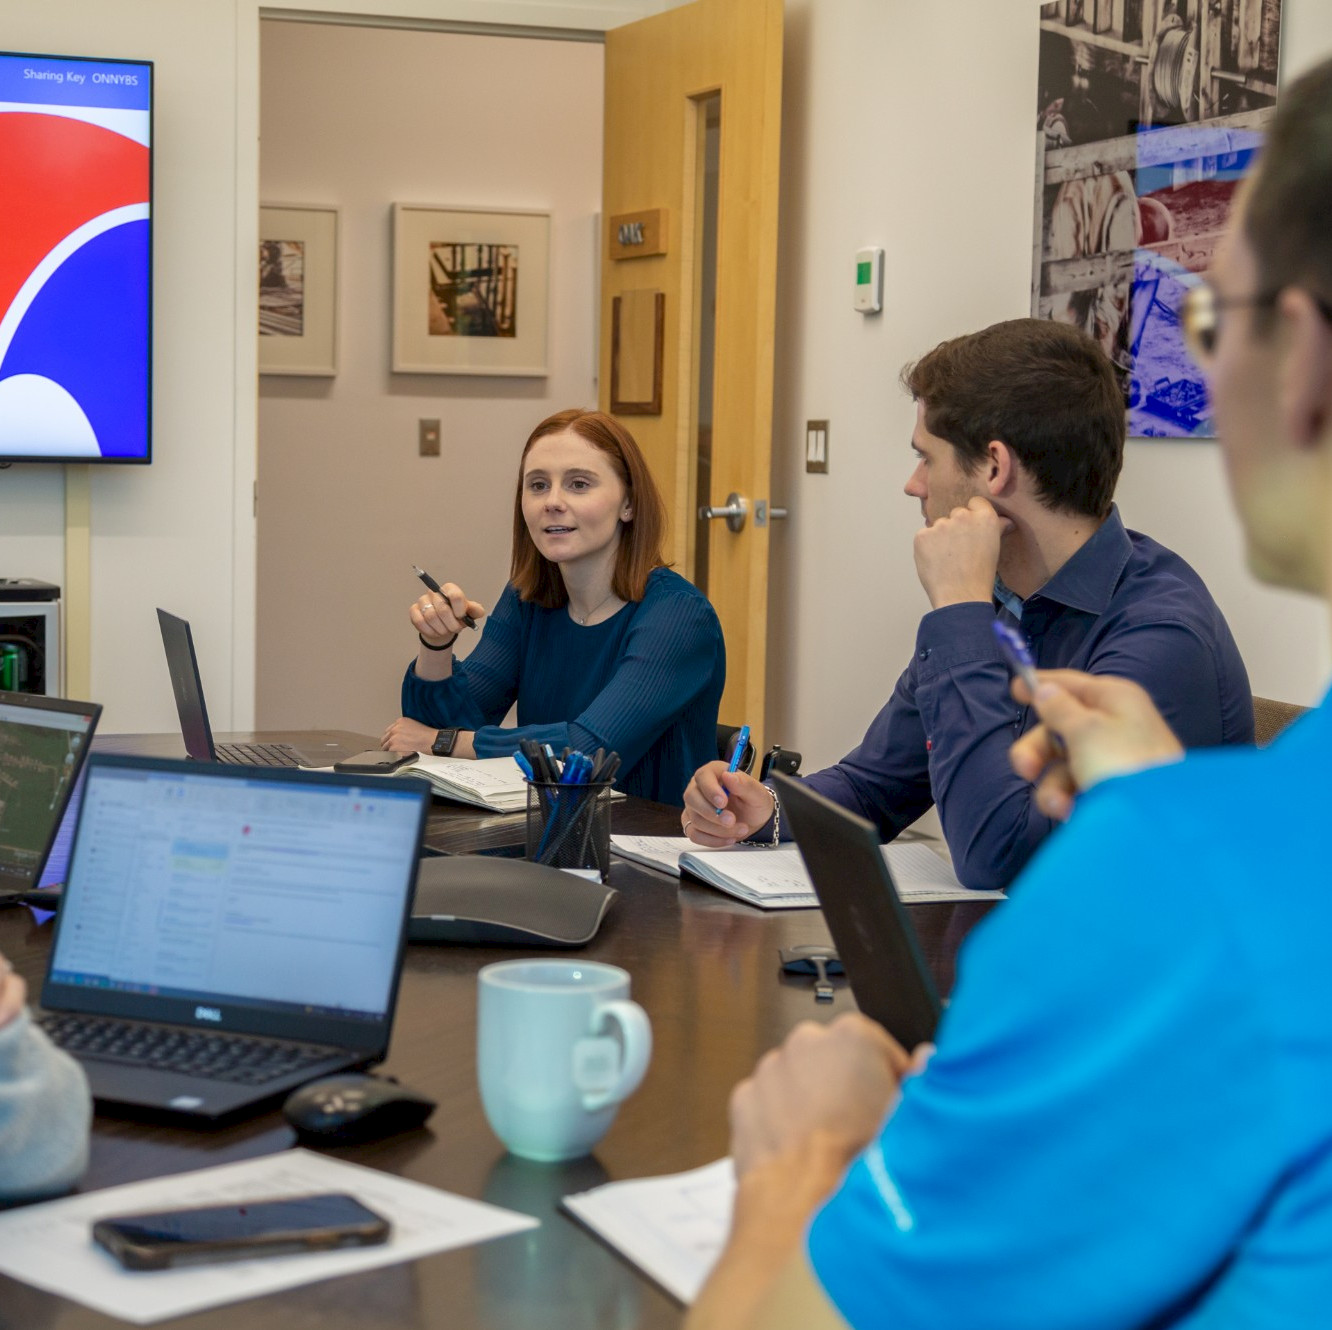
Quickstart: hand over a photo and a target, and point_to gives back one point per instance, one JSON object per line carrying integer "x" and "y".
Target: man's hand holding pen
{"x": 722, "y": 806}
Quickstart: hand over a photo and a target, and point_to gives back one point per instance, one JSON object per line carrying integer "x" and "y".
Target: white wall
{"x": 911, "y": 126}
{"x": 362, "y": 118}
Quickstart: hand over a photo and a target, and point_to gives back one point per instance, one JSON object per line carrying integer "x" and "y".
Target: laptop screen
{"x": 42, "y": 745}
{"x": 277, "y": 892}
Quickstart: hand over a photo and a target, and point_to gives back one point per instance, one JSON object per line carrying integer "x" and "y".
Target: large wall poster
{"x": 1149, "y": 114}
{"x": 75, "y": 259}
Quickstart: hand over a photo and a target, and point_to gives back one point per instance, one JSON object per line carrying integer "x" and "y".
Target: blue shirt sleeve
{"x": 1099, "y": 1125}
{"x": 483, "y": 686}
{"x": 669, "y": 658}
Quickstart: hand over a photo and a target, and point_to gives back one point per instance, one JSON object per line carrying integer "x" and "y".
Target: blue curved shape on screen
{"x": 87, "y": 329}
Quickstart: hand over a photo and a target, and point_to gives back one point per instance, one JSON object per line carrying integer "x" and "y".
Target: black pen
{"x": 435, "y": 587}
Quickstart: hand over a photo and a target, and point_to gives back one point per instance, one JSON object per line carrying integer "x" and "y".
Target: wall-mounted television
{"x": 76, "y": 174}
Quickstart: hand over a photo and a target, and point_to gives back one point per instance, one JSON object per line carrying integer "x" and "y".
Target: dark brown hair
{"x": 539, "y": 580}
{"x": 1288, "y": 210}
{"x": 1046, "y": 390}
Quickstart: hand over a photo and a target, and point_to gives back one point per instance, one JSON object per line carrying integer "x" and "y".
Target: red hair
{"x": 536, "y": 577}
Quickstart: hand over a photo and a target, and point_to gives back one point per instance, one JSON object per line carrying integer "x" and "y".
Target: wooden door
{"x": 665, "y": 77}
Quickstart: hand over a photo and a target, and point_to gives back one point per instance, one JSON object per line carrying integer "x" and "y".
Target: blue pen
{"x": 737, "y": 756}
{"x": 1019, "y": 658}
{"x": 738, "y": 753}
{"x": 524, "y": 766}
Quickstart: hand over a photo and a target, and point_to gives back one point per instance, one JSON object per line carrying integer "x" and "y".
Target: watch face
{"x": 444, "y": 741}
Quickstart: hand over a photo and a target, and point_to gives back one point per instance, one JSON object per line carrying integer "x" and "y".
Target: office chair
{"x": 777, "y": 758}
{"x": 1270, "y": 717}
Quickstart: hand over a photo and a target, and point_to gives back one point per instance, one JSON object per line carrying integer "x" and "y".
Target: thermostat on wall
{"x": 869, "y": 280}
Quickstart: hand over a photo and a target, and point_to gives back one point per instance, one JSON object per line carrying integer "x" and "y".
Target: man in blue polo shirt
{"x": 1019, "y": 439}
{"x": 1128, "y": 1120}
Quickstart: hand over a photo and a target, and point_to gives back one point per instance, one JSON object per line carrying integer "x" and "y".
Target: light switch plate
{"x": 816, "y": 446}
{"x": 428, "y": 437}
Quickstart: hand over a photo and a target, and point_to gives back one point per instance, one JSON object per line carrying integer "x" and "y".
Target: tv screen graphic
{"x": 75, "y": 259}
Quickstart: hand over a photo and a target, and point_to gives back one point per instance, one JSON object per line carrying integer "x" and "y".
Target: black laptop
{"x": 43, "y": 744}
{"x": 228, "y": 933}
{"x": 877, "y": 945}
{"x": 183, "y": 665}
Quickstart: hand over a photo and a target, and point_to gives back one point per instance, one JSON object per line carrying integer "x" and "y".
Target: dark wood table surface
{"x": 705, "y": 968}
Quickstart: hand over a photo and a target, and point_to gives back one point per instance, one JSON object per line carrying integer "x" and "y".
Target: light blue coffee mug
{"x": 559, "y": 1046}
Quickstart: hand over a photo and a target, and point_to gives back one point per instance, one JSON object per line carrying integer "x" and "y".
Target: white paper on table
{"x": 661, "y": 852}
{"x": 50, "y": 1245}
{"x": 919, "y": 874}
{"x": 673, "y": 1228}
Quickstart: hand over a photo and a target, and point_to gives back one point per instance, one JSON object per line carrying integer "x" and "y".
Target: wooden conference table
{"x": 705, "y": 968}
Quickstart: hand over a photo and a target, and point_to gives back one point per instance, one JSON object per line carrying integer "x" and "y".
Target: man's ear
{"x": 1001, "y": 470}
{"x": 1305, "y": 382}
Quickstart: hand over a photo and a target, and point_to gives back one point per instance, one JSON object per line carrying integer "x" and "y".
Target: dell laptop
{"x": 43, "y": 744}
{"x": 228, "y": 933}
{"x": 874, "y": 938}
{"x": 187, "y": 686}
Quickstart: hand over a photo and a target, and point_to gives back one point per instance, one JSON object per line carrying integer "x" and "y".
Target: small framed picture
{"x": 470, "y": 290}
{"x": 298, "y": 289}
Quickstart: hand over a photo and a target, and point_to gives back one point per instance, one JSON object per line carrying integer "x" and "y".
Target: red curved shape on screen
{"x": 58, "y": 173}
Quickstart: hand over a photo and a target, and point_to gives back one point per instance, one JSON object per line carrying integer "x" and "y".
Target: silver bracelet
{"x": 776, "y": 822}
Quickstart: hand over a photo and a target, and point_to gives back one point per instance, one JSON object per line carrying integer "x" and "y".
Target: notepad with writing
{"x": 775, "y": 878}
{"x": 495, "y": 783}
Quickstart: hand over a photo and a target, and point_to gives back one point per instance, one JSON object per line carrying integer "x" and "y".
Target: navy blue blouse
{"x": 645, "y": 683}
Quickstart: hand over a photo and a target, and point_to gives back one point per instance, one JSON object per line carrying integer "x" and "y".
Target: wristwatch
{"x": 444, "y": 741}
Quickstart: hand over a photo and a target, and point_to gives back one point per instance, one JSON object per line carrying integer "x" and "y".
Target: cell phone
{"x": 240, "y": 1232}
{"x": 375, "y": 761}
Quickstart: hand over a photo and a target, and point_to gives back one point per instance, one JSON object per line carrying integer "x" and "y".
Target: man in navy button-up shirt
{"x": 1019, "y": 441}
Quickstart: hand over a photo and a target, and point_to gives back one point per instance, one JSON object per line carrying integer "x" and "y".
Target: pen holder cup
{"x": 568, "y": 826}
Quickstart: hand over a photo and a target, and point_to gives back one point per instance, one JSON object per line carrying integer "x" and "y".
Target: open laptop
{"x": 43, "y": 744}
{"x": 228, "y": 933}
{"x": 187, "y": 686}
{"x": 875, "y": 941}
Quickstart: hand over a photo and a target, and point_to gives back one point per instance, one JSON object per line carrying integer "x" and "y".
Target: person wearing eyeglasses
{"x": 1125, "y": 1122}
{"x": 1018, "y": 444}
{"x": 45, "y": 1108}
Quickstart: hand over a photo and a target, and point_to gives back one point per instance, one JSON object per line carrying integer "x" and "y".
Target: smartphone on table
{"x": 374, "y": 762}
{"x": 154, "y": 1241}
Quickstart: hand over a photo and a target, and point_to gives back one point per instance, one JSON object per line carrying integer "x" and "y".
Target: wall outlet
{"x": 428, "y": 437}
{"x": 816, "y": 446}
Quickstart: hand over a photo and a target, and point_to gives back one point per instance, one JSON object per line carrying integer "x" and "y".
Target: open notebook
{"x": 775, "y": 878}
{"x": 495, "y": 783}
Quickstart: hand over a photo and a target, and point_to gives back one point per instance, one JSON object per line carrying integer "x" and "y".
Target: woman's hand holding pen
{"x": 439, "y": 616}
{"x": 722, "y": 807}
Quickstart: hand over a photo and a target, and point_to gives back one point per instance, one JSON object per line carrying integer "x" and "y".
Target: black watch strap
{"x": 444, "y": 741}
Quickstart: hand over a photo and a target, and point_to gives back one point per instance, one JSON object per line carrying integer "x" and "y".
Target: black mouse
{"x": 343, "y": 1109}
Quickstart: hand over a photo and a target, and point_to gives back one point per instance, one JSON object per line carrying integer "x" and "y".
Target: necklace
{"x": 582, "y": 622}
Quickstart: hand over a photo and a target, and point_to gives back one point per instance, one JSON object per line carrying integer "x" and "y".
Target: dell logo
{"x": 208, "y": 1013}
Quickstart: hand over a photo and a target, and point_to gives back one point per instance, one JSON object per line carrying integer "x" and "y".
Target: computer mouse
{"x": 344, "y": 1109}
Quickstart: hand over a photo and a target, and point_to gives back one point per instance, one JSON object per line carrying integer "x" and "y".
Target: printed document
{"x": 50, "y": 1245}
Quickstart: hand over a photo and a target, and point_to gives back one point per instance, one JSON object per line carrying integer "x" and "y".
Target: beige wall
{"x": 911, "y": 126}
{"x": 362, "y": 118}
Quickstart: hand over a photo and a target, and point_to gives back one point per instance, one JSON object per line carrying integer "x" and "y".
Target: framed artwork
{"x": 1148, "y": 117}
{"x": 298, "y": 289}
{"x": 470, "y": 290}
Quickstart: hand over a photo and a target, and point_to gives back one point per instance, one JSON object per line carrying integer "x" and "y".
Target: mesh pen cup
{"x": 568, "y": 826}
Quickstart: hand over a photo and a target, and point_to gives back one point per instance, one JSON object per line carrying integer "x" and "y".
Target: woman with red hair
{"x": 596, "y": 640}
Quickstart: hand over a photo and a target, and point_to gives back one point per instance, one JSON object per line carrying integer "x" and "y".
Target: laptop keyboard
{"x": 214, "y": 1057}
{"x": 258, "y": 755}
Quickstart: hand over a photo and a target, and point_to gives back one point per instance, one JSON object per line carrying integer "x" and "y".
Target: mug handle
{"x": 595, "y": 1072}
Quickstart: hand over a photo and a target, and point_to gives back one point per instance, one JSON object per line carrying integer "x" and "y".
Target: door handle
{"x": 734, "y": 512}
{"x": 763, "y": 514}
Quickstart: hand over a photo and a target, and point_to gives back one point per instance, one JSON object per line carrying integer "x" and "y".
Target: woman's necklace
{"x": 582, "y": 621}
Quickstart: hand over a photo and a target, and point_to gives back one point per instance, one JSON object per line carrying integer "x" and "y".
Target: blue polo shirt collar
{"x": 1088, "y": 580}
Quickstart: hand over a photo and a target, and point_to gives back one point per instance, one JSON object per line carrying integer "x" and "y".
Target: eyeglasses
{"x": 1200, "y": 315}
